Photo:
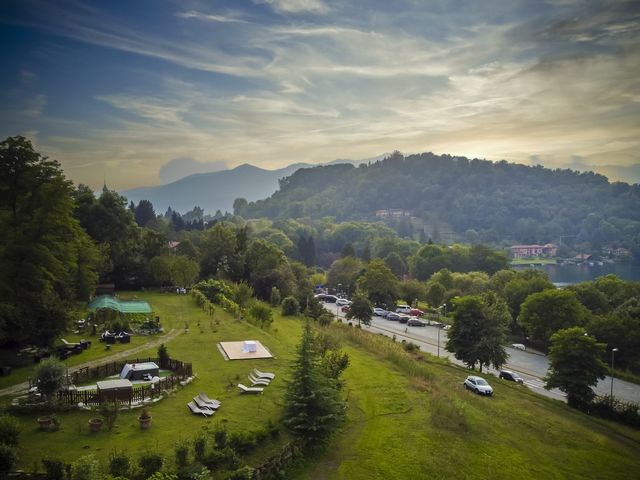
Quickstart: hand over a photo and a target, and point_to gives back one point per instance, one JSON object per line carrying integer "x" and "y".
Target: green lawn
{"x": 421, "y": 424}
{"x": 533, "y": 261}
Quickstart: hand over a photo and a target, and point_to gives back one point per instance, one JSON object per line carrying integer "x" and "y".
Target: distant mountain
{"x": 215, "y": 190}
{"x": 478, "y": 200}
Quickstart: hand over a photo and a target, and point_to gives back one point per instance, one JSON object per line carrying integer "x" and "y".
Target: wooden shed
{"x": 115, "y": 390}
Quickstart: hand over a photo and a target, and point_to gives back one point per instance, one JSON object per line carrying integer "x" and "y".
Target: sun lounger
{"x": 264, "y": 382}
{"x": 204, "y": 405}
{"x": 195, "y": 409}
{"x": 260, "y": 374}
{"x": 245, "y": 389}
{"x": 211, "y": 401}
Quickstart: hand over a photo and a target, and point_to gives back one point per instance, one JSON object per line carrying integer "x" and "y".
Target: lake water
{"x": 568, "y": 274}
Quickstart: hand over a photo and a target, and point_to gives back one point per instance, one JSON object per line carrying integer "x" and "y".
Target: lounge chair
{"x": 260, "y": 374}
{"x": 195, "y": 409}
{"x": 264, "y": 382}
{"x": 213, "y": 402}
{"x": 204, "y": 405}
{"x": 245, "y": 389}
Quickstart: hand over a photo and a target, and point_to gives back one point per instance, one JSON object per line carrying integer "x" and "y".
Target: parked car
{"x": 478, "y": 385}
{"x": 394, "y": 317}
{"x": 518, "y": 346}
{"x": 416, "y": 322}
{"x": 345, "y": 309}
{"x": 403, "y": 318}
{"x": 342, "y": 301}
{"x": 323, "y": 297}
{"x": 416, "y": 312}
{"x": 381, "y": 312}
{"x": 403, "y": 309}
{"x": 511, "y": 376}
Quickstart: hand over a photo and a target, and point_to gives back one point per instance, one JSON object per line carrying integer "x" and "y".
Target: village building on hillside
{"x": 526, "y": 251}
{"x": 392, "y": 213}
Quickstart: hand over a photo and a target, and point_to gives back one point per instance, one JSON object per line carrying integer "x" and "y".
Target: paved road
{"x": 154, "y": 342}
{"x": 531, "y": 367}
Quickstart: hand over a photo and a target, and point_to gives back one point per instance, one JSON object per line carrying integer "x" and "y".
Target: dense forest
{"x": 471, "y": 200}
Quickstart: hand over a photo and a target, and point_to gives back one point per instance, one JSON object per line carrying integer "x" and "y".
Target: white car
{"x": 380, "y": 312}
{"x": 342, "y": 302}
{"x": 518, "y": 346}
{"x": 403, "y": 309}
{"x": 478, "y": 385}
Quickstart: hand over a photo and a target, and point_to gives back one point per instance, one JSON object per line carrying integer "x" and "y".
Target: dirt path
{"x": 173, "y": 333}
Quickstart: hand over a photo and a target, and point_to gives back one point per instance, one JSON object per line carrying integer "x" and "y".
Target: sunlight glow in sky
{"x": 137, "y": 92}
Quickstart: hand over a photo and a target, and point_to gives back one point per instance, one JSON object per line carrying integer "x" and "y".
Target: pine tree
{"x": 313, "y": 406}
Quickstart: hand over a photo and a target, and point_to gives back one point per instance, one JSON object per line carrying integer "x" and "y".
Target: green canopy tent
{"x": 104, "y": 304}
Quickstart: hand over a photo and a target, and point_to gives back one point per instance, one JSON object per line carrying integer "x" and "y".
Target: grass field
{"x": 407, "y": 418}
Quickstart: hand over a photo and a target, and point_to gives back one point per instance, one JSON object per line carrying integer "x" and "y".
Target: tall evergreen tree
{"x": 313, "y": 406}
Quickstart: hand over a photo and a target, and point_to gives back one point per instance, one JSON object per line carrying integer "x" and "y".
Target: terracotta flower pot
{"x": 45, "y": 422}
{"x": 95, "y": 424}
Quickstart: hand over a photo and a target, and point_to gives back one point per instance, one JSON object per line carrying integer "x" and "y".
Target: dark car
{"x": 511, "y": 376}
{"x": 416, "y": 322}
{"x": 403, "y": 318}
{"x": 393, "y": 316}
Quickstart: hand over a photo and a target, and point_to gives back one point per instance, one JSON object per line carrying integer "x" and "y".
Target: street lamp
{"x": 438, "y": 341}
{"x": 613, "y": 352}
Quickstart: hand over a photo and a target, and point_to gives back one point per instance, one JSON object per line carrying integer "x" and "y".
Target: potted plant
{"x": 45, "y": 422}
{"x": 144, "y": 419}
{"x": 95, "y": 424}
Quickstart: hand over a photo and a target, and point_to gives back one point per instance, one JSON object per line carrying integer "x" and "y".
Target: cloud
{"x": 296, "y": 6}
{"x": 209, "y": 17}
{"x": 183, "y": 167}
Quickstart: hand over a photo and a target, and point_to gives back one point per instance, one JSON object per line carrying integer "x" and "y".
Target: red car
{"x": 416, "y": 312}
{"x": 345, "y": 309}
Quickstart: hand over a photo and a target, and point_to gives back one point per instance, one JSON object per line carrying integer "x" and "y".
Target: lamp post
{"x": 438, "y": 341}
{"x": 613, "y": 352}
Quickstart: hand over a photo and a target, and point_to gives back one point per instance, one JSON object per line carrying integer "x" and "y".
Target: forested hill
{"x": 491, "y": 202}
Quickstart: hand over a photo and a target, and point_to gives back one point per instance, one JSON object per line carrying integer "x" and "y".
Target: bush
{"x": 85, "y": 468}
{"x": 8, "y": 457}
{"x": 261, "y": 315}
{"x": 325, "y": 319}
{"x": 54, "y": 468}
{"x": 119, "y": 464}
{"x": 50, "y": 377}
{"x": 224, "y": 458}
{"x": 244, "y": 473}
{"x": 199, "y": 447}
{"x": 109, "y": 411}
{"x": 181, "y": 450}
{"x": 163, "y": 476}
{"x": 275, "y": 297}
{"x": 163, "y": 356}
{"x": 290, "y": 306}
{"x": 410, "y": 346}
{"x": 220, "y": 438}
{"x": 610, "y": 408}
{"x": 242, "y": 442}
{"x": 150, "y": 463}
{"x": 9, "y": 430}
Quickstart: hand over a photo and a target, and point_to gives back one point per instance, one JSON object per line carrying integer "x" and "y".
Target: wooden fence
{"x": 139, "y": 393}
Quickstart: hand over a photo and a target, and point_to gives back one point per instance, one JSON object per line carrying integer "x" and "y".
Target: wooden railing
{"x": 139, "y": 393}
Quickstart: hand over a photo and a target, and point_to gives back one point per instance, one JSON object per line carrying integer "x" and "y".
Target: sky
{"x": 141, "y": 93}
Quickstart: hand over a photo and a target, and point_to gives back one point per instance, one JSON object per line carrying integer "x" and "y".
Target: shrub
{"x": 203, "y": 474}
{"x": 325, "y": 319}
{"x": 119, "y": 464}
{"x": 244, "y": 473}
{"x": 9, "y": 430}
{"x": 261, "y": 315}
{"x": 54, "y": 468}
{"x": 224, "y": 458}
{"x": 181, "y": 450}
{"x": 50, "y": 377}
{"x": 163, "y": 476}
{"x": 220, "y": 438}
{"x": 290, "y": 306}
{"x": 7, "y": 457}
{"x": 242, "y": 442}
{"x": 410, "y": 346}
{"x": 199, "y": 447}
{"x": 163, "y": 356}
{"x": 275, "y": 297}
{"x": 85, "y": 468}
{"x": 150, "y": 463}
